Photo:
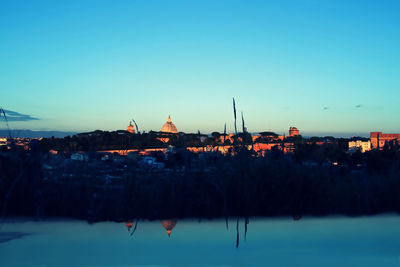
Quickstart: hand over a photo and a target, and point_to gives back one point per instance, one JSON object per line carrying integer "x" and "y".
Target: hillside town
{"x": 197, "y": 175}
{"x": 129, "y": 145}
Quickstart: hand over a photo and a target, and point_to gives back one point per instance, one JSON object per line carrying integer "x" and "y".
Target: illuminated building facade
{"x": 293, "y": 131}
{"x": 131, "y": 128}
{"x": 379, "y": 139}
{"x": 359, "y": 145}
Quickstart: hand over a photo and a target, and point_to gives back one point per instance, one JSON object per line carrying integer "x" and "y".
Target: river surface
{"x": 328, "y": 241}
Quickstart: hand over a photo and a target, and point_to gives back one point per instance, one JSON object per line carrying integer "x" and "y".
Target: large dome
{"x": 169, "y": 127}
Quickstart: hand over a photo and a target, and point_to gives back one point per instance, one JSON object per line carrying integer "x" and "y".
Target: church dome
{"x": 130, "y": 128}
{"x": 169, "y": 127}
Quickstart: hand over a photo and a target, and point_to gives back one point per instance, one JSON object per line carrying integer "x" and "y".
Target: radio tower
{"x": 2, "y": 112}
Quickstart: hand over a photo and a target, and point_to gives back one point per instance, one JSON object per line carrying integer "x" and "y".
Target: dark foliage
{"x": 211, "y": 186}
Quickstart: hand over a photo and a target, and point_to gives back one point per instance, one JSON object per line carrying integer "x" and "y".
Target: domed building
{"x": 169, "y": 127}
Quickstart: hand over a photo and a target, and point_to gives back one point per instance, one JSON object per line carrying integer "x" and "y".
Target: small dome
{"x": 130, "y": 128}
{"x": 169, "y": 127}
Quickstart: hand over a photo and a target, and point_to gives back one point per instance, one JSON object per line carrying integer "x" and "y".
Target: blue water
{"x": 330, "y": 241}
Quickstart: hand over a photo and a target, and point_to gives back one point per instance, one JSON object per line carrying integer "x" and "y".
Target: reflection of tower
{"x": 169, "y": 225}
{"x": 130, "y": 128}
{"x": 129, "y": 225}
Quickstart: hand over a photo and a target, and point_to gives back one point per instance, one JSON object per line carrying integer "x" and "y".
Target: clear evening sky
{"x": 322, "y": 66}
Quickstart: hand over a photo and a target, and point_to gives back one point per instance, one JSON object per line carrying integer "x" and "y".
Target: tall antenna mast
{"x": 137, "y": 128}
{"x": 224, "y": 133}
{"x": 5, "y": 118}
{"x": 234, "y": 114}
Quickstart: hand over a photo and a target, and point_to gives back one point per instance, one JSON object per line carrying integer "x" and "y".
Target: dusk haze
{"x": 328, "y": 67}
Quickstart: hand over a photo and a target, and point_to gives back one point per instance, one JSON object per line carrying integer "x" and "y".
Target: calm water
{"x": 364, "y": 241}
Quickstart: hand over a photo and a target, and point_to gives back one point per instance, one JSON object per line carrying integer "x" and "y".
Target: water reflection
{"x": 129, "y": 225}
{"x": 169, "y": 225}
{"x": 8, "y": 236}
{"x": 296, "y": 217}
{"x": 327, "y": 241}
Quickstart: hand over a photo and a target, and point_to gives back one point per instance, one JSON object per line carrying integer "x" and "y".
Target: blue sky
{"x": 323, "y": 66}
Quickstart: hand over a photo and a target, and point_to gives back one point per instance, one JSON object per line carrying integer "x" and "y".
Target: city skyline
{"x": 82, "y": 66}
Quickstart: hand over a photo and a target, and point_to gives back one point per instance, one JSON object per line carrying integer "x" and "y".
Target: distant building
{"x": 293, "y": 131}
{"x": 378, "y": 139}
{"x": 131, "y": 128}
{"x": 359, "y": 145}
{"x": 169, "y": 127}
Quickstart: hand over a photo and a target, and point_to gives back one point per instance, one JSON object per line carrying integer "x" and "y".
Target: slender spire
{"x": 234, "y": 113}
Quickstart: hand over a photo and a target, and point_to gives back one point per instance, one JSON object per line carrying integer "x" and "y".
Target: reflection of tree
{"x": 246, "y": 222}
{"x": 237, "y": 232}
{"x": 169, "y": 225}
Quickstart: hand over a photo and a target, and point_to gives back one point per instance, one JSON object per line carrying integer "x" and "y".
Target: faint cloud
{"x": 16, "y": 116}
{"x": 359, "y": 106}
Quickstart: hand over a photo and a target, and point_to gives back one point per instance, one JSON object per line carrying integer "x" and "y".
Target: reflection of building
{"x": 169, "y": 127}
{"x": 378, "y": 139}
{"x": 129, "y": 225}
{"x": 169, "y": 225}
{"x": 131, "y": 128}
{"x": 293, "y": 131}
{"x": 359, "y": 145}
